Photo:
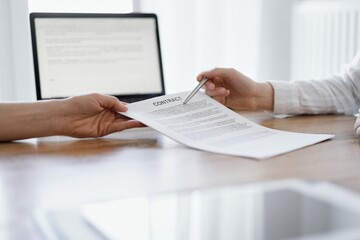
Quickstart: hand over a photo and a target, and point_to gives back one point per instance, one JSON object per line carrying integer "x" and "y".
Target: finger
{"x": 217, "y": 82}
{"x": 209, "y": 86}
{"x": 219, "y": 99}
{"x": 217, "y": 92}
{"x": 199, "y": 77}
{"x": 120, "y": 125}
{"x": 208, "y": 74}
{"x": 202, "y": 75}
{"x": 122, "y": 117}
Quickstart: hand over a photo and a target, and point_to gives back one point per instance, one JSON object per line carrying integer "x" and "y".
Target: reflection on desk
{"x": 290, "y": 209}
{"x": 61, "y": 172}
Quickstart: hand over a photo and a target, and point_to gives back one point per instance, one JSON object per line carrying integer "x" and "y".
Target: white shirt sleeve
{"x": 357, "y": 124}
{"x": 338, "y": 94}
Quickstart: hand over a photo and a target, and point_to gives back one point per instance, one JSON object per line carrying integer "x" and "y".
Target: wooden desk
{"x": 61, "y": 172}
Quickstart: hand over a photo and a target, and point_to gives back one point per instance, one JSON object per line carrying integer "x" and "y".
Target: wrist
{"x": 51, "y": 117}
{"x": 59, "y": 116}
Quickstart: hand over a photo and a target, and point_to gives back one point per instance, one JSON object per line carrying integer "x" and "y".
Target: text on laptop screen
{"x": 117, "y": 56}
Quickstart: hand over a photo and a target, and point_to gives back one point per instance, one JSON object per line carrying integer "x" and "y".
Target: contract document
{"x": 205, "y": 124}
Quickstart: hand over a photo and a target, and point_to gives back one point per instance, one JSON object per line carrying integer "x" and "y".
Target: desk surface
{"x": 61, "y": 172}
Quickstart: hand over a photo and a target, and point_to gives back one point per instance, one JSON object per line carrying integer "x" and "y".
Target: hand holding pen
{"x": 237, "y": 91}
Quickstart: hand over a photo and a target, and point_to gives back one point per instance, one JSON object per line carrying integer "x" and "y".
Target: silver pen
{"x": 196, "y": 89}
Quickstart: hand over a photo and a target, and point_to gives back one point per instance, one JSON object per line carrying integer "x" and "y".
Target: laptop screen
{"x": 115, "y": 54}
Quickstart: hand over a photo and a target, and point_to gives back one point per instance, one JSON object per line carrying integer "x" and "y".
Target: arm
{"x": 92, "y": 115}
{"x": 339, "y": 94}
{"x": 336, "y": 94}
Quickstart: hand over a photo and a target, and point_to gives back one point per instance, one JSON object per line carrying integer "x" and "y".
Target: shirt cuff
{"x": 286, "y": 99}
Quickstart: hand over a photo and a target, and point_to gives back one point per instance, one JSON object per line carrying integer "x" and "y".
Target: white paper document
{"x": 205, "y": 124}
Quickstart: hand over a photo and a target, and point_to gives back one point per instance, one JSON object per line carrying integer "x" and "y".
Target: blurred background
{"x": 265, "y": 39}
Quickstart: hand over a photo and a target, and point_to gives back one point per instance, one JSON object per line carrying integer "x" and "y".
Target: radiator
{"x": 325, "y": 35}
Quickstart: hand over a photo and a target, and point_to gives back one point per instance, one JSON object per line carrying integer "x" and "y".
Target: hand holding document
{"x": 207, "y": 125}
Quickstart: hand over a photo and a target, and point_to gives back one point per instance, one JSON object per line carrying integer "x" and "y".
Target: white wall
{"x": 6, "y": 87}
{"x": 198, "y": 35}
{"x": 275, "y": 40}
{"x": 103, "y": 6}
{"x": 325, "y": 35}
{"x": 23, "y": 73}
{"x": 252, "y": 36}
{"x": 16, "y": 74}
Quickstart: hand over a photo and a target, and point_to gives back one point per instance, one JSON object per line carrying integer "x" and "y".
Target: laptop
{"x": 80, "y": 53}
